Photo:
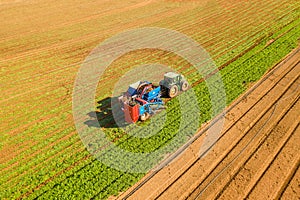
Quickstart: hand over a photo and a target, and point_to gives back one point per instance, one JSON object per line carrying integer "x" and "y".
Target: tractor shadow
{"x": 107, "y": 115}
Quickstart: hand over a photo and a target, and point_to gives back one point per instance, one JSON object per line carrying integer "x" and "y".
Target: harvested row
{"x": 225, "y": 33}
{"x": 104, "y": 8}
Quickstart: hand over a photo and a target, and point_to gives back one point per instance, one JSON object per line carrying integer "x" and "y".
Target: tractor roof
{"x": 171, "y": 75}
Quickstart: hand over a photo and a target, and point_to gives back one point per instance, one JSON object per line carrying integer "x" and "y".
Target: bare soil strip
{"x": 258, "y": 140}
{"x": 249, "y": 174}
{"x": 273, "y": 178}
{"x": 292, "y": 189}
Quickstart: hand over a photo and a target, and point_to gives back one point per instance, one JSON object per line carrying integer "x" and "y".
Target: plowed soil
{"x": 256, "y": 156}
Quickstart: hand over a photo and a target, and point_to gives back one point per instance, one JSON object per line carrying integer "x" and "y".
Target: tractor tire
{"x": 173, "y": 91}
{"x": 184, "y": 86}
{"x": 144, "y": 116}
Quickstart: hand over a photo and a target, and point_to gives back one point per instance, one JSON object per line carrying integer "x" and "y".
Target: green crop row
{"x": 247, "y": 69}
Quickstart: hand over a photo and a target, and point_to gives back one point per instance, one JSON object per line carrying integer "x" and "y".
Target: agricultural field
{"x": 256, "y": 155}
{"x": 44, "y": 43}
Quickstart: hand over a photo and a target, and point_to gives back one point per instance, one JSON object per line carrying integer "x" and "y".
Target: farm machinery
{"x": 143, "y": 98}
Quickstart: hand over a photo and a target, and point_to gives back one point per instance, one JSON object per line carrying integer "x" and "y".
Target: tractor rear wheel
{"x": 173, "y": 91}
{"x": 184, "y": 86}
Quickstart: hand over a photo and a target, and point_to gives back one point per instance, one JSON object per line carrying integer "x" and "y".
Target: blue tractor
{"x": 143, "y": 98}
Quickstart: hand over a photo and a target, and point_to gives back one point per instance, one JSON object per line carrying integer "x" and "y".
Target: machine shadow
{"x": 107, "y": 115}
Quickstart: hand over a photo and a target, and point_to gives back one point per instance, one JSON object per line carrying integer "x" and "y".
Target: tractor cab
{"x": 173, "y": 83}
{"x": 171, "y": 78}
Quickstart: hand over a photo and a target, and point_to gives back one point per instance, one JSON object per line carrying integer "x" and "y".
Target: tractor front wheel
{"x": 173, "y": 91}
{"x": 184, "y": 86}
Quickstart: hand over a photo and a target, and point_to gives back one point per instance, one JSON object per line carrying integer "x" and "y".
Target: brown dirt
{"x": 292, "y": 191}
{"x": 256, "y": 156}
